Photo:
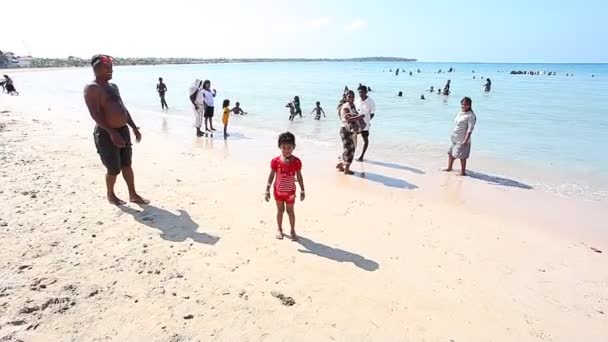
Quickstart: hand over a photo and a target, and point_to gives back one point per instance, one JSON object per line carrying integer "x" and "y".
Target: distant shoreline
{"x": 80, "y": 62}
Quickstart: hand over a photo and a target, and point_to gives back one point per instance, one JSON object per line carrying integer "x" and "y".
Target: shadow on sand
{"x": 388, "y": 181}
{"x": 395, "y": 166}
{"x": 336, "y": 254}
{"x": 495, "y": 180}
{"x": 176, "y": 228}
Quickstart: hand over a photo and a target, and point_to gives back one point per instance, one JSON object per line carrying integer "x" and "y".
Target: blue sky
{"x": 431, "y": 30}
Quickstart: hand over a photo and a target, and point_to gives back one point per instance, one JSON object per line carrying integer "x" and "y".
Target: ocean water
{"x": 547, "y": 131}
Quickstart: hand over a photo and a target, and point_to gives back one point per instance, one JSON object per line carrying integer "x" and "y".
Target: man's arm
{"x": 193, "y": 99}
{"x": 130, "y": 121}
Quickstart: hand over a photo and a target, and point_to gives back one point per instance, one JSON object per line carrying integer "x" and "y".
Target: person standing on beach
{"x": 460, "y": 148}
{"x": 225, "y": 116}
{"x": 367, "y": 108}
{"x": 208, "y": 101}
{"x": 161, "y": 88}
{"x": 351, "y": 124}
{"x": 284, "y": 169}
{"x": 199, "y": 108}
{"x": 111, "y": 134}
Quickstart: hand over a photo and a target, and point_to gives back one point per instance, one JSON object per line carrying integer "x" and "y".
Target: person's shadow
{"x": 336, "y": 254}
{"x": 495, "y": 180}
{"x": 176, "y": 228}
{"x": 388, "y": 181}
{"x": 395, "y": 166}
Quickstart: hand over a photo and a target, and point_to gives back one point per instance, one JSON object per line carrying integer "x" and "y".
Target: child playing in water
{"x": 286, "y": 168}
{"x": 238, "y": 110}
{"x": 296, "y": 104}
{"x": 318, "y": 111}
{"x": 225, "y": 117}
{"x": 292, "y": 110}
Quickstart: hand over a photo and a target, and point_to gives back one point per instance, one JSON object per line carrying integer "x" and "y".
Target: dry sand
{"x": 402, "y": 255}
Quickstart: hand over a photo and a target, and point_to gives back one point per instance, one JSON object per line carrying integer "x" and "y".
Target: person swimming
{"x": 237, "y": 109}
{"x": 488, "y": 85}
{"x": 400, "y": 94}
{"x": 422, "y": 97}
{"x": 432, "y": 90}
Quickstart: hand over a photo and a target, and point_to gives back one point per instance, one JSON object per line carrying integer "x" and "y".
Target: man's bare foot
{"x": 280, "y": 235}
{"x": 462, "y": 173}
{"x": 138, "y": 199}
{"x": 360, "y": 159}
{"x": 115, "y": 200}
{"x": 294, "y": 236}
{"x": 447, "y": 170}
{"x": 348, "y": 172}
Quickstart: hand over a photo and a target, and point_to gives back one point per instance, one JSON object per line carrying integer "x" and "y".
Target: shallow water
{"x": 546, "y": 131}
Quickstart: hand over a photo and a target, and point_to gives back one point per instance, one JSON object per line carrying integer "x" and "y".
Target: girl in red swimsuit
{"x": 284, "y": 169}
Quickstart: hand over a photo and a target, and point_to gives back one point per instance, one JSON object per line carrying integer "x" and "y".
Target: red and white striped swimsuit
{"x": 285, "y": 182}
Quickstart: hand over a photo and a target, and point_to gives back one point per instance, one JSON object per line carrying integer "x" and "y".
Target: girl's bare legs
{"x": 292, "y": 221}
{"x": 280, "y": 212}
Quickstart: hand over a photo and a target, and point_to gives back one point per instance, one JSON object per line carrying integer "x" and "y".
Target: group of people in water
{"x": 202, "y": 98}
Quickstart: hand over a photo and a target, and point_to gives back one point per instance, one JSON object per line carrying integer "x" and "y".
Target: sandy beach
{"x": 399, "y": 254}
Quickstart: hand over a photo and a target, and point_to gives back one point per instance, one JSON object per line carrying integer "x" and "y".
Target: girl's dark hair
{"x": 287, "y": 138}
{"x": 206, "y": 84}
{"x": 318, "y": 103}
{"x": 226, "y": 103}
{"x": 344, "y": 100}
{"x": 296, "y": 99}
{"x": 468, "y": 101}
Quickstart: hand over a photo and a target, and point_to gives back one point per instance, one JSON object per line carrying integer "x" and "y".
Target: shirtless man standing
{"x": 111, "y": 134}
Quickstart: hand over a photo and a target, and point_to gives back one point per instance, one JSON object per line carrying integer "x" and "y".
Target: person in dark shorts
{"x": 161, "y": 88}
{"x": 366, "y": 107}
{"x": 111, "y": 134}
{"x": 208, "y": 101}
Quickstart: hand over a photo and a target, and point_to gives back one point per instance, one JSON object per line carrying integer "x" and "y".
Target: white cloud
{"x": 316, "y": 24}
{"x": 355, "y": 25}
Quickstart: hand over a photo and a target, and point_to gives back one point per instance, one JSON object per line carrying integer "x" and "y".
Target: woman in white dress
{"x": 460, "y": 148}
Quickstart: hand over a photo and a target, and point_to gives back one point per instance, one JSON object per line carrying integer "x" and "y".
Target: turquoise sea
{"x": 550, "y": 132}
